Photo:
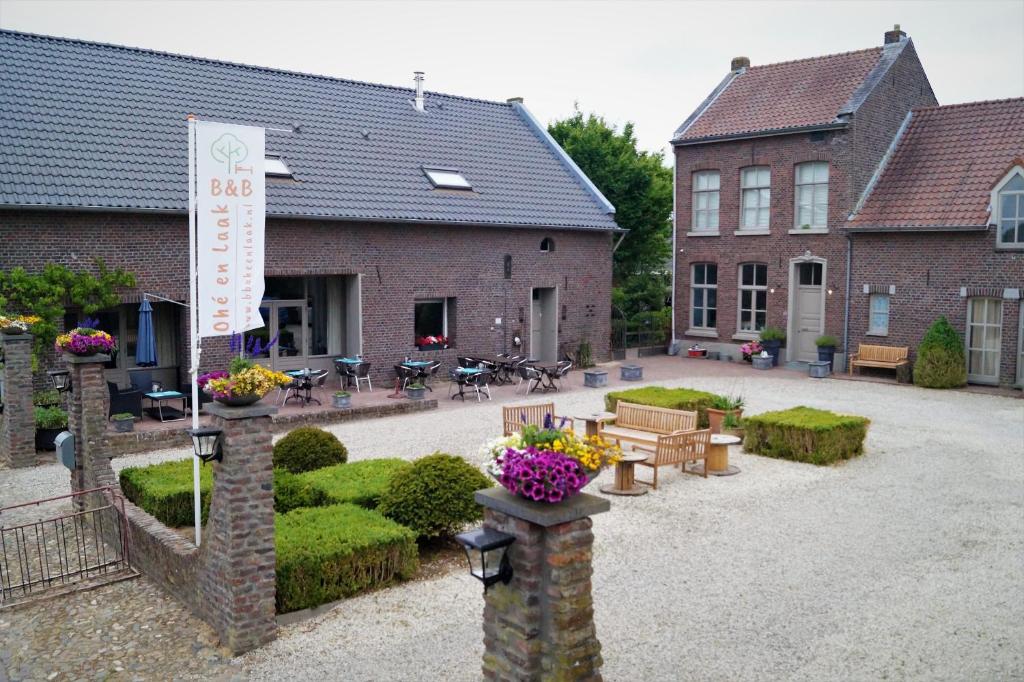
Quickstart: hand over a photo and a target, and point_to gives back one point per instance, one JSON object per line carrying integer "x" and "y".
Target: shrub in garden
{"x": 165, "y": 490}
{"x": 673, "y": 398}
{"x": 360, "y": 483}
{"x": 327, "y": 553}
{"x": 292, "y": 491}
{"x": 940, "y": 357}
{"x": 434, "y": 496}
{"x": 307, "y": 448}
{"x": 805, "y": 434}
{"x": 50, "y": 418}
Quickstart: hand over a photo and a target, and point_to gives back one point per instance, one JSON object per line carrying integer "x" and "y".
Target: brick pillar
{"x": 238, "y": 581}
{"x": 88, "y": 405}
{"x": 541, "y": 625}
{"x": 18, "y": 425}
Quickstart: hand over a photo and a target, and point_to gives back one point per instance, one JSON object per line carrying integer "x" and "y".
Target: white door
{"x": 807, "y": 315}
{"x": 984, "y": 339}
{"x": 1020, "y": 348}
{"x": 544, "y": 324}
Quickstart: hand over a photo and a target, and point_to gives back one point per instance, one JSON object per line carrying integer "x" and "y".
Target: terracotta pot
{"x": 717, "y": 417}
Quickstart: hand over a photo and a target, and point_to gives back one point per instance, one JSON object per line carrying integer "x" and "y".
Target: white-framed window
{"x": 878, "y": 315}
{"x": 755, "y": 197}
{"x": 547, "y": 244}
{"x": 984, "y": 339}
{"x": 811, "y": 196}
{"x": 706, "y": 186}
{"x": 446, "y": 178}
{"x": 434, "y": 317}
{"x": 1010, "y": 221}
{"x": 275, "y": 167}
{"x": 753, "y": 308}
{"x": 704, "y": 296}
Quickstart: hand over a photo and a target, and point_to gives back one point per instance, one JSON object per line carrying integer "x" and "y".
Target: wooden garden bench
{"x": 643, "y": 423}
{"x": 884, "y": 357}
{"x": 515, "y": 417}
{"x": 678, "y": 449}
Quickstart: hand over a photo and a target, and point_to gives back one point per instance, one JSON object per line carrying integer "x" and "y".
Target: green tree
{"x": 636, "y": 182}
{"x": 940, "y": 357}
{"x": 47, "y": 294}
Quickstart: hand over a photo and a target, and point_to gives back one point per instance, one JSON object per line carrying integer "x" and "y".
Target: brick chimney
{"x": 895, "y": 35}
{"x": 739, "y": 63}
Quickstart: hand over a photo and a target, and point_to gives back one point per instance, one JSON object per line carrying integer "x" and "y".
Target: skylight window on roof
{"x": 275, "y": 167}
{"x": 446, "y": 178}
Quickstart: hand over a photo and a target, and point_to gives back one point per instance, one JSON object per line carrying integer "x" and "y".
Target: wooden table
{"x": 625, "y": 483}
{"x": 718, "y": 457}
{"x": 593, "y": 421}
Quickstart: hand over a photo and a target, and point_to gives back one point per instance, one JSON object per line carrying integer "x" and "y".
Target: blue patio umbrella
{"x": 145, "y": 347}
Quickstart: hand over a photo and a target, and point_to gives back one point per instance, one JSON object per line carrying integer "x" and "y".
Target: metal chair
{"x": 345, "y": 372}
{"x": 427, "y": 373}
{"x": 361, "y": 372}
{"x": 406, "y": 374}
{"x": 480, "y": 382}
{"x": 531, "y": 375}
{"x": 318, "y": 380}
{"x": 466, "y": 361}
{"x": 561, "y": 369}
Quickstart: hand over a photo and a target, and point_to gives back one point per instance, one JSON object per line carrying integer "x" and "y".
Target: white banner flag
{"x": 230, "y": 215}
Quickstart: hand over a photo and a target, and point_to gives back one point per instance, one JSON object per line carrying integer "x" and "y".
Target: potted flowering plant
{"x": 17, "y": 324}
{"x": 438, "y": 342}
{"x": 342, "y": 399}
{"x": 244, "y": 384}
{"x": 85, "y": 341}
{"x": 547, "y": 464}
{"x": 750, "y": 349}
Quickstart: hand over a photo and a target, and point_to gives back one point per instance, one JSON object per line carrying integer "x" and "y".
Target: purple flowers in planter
{"x": 541, "y": 475}
{"x": 204, "y": 378}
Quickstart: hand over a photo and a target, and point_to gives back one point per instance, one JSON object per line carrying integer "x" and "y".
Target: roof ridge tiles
{"x": 790, "y": 62}
{"x": 962, "y": 105}
{"x": 239, "y": 65}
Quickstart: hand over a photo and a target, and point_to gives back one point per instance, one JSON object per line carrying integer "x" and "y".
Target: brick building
{"x": 392, "y": 213}
{"x": 770, "y": 172}
{"x": 941, "y": 232}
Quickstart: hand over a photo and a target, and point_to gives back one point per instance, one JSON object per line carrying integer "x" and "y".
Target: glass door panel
{"x": 289, "y": 316}
{"x": 984, "y": 339}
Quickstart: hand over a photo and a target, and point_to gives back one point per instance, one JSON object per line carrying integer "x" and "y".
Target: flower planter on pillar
{"x": 541, "y": 625}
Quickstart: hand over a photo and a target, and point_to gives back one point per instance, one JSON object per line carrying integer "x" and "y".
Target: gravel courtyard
{"x": 907, "y": 563}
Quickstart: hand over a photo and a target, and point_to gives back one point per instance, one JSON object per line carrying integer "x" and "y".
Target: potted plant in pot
{"x": 86, "y": 341}
{"x": 123, "y": 422}
{"x": 749, "y": 350}
{"x": 772, "y": 339}
{"x": 432, "y": 342}
{"x": 415, "y": 391}
{"x": 17, "y": 324}
{"x": 733, "y": 425}
{"x": 826, "y": 349}
{"x": 721, "y": 407}
{"x": 342, "y": 400}
{"x": 50, "y": 421}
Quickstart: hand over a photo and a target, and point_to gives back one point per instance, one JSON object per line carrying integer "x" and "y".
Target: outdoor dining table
{"x": 305, "y": 378}
{"x": 503, "y": 365}
{"x": 548, "y": 371}
{"x": 461, "y": 374}
{"x": 347, "y": 377}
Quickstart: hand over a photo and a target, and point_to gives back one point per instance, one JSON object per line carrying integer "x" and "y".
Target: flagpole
{"x": 194, "y": 317}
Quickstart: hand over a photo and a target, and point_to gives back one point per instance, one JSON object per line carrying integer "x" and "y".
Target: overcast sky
{"x": 647, "y": 62}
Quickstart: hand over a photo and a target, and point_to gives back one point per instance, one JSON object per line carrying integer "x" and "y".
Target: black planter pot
{"x": 772, "y": 347}
{"x": 45, "y": 438}
{"x": 431, "y": 346}
{"x": 827, "y": 354}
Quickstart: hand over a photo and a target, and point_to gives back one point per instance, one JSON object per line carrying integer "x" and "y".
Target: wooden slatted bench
{"x": 883, "y": 357}
{"x": 643, "y": 424}
{"x": 515, "y": 417}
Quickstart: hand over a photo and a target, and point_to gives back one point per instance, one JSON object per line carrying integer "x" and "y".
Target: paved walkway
{"x": 902, "y": 564}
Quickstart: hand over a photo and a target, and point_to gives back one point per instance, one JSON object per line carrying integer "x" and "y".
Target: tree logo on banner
{"x": 229, "y": 150}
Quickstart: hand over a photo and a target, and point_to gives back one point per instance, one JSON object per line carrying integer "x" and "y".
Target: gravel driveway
{"x": 906, "y": 563}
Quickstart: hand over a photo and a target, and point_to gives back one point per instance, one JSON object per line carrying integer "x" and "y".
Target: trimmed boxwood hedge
{"x": 673, "y": 398}
{"x": 308, "y": 448}
{"x": 360, "y": 483}
{"x": 328, "y": 553}
{"x": 805, "y": 434}
{"x": 165, "y": 490}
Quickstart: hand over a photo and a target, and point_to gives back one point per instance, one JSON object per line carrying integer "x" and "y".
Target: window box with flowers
{"x": 432, "y": 342}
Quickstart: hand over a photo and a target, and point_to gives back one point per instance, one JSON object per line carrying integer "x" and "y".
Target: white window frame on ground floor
{"x": 969, "y": 339}
{"x": 1020, "y": 344}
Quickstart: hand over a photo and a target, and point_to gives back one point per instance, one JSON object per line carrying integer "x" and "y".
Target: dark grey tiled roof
{"x": 93, "y": 125}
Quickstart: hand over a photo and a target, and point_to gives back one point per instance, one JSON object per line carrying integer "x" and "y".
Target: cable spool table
{"x": 718, "y": 457}
{"x": 625, "y": 482}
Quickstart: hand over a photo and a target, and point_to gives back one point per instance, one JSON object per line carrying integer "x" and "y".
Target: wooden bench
{"x": 643, "y": 424}
{"x": 676, "y": 449}
{"x": 884, "y": 357}
{"x": 515, "y": 417}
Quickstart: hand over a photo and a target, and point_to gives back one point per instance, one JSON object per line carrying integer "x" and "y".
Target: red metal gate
{"x": 81, "y": 547}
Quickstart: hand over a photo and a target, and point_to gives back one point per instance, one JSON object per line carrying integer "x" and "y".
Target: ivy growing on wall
{"x": 49, "y": 293}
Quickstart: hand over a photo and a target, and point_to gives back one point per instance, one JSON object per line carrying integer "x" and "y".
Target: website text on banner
{"x": 231, "y": 212}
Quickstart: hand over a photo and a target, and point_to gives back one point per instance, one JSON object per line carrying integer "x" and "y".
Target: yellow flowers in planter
{"x": 255, "y": 380}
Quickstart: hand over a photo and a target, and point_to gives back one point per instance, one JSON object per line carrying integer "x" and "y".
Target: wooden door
{"x": 807, "y": 313}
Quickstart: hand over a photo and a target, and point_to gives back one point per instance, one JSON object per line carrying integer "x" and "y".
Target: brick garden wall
{"x": 399, "y": 263}
{"x": 928, "y": 271}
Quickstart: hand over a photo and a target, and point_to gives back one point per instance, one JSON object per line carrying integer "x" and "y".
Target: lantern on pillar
{"x": 206, "y": 444}
{"x": 487, "y": 552}
{"x": 60, "y": 379}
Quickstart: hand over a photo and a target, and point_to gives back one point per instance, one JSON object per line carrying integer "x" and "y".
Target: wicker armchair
{"x": 124, "y": 401}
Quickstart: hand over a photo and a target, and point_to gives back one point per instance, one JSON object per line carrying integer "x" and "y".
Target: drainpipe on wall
{"x": 846, "y": 310}
{"x": 675, "y": 219}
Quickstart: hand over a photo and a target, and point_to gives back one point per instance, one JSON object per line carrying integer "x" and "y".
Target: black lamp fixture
{"x": 60, "y": 379}
{"x": 487, "y": 552}
{"x": 206, "y": 444}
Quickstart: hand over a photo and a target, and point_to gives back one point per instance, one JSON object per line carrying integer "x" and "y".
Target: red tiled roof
{"x": 945, "y": 165}
{"x": 793, "y": 94}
